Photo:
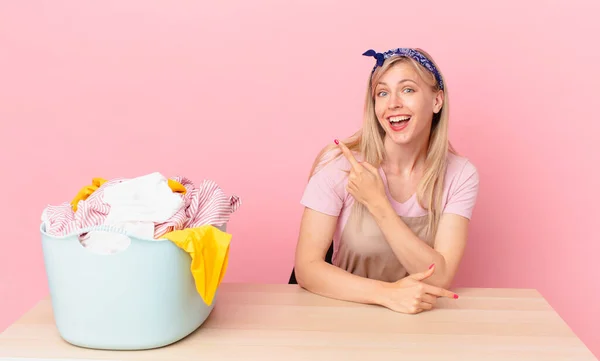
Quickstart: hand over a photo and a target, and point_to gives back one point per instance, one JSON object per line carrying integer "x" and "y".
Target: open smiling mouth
{"x": 400, "y": 122}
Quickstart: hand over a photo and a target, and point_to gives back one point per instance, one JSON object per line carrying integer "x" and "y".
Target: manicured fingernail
{"x": 433, "y": 264}
{"x": 336, "y": 141}
{"x": 455, "y": 295}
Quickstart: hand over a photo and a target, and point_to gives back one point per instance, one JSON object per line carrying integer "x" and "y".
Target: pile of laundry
{"x": 151, "y": 208}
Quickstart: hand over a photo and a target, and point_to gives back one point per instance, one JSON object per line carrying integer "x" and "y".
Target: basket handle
{"x": 118, "y": 248}
{"x": 103, "y": 228}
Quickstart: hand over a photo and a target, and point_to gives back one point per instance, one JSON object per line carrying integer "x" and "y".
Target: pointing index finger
{"x": 438, "y": 291}
{"x": 348, "y": 154}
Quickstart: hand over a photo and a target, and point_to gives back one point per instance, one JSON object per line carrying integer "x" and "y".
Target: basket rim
{"x": 106, "y": 228}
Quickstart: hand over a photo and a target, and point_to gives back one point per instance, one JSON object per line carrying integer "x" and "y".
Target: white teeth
{"x": 399, "y": 119}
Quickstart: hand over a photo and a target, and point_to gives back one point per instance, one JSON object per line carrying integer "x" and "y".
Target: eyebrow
{"x": 401, "y": 81}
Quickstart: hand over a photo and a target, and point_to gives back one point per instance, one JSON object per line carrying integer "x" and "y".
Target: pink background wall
{"x": 224, "y": 91}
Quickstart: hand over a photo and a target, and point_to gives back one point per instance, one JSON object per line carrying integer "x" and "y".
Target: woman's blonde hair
{"x": 368, "y": 141}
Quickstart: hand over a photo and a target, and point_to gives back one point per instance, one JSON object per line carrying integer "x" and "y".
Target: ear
{"x": 438, "y": 101}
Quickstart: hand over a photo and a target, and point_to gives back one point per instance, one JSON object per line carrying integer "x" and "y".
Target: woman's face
{"x": 405, "y": 103}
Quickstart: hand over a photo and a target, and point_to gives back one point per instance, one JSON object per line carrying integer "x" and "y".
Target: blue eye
{"x": 381, "y": 93}
{"x": 408, "y": 89}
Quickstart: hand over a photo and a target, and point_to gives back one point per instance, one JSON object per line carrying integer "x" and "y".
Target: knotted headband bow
{"x": 407, "y": 52}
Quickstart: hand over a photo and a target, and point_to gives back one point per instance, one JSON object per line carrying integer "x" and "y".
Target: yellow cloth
{"x": 87, "y": 191}
{"x": 176, "y": 187}
{"x": 209, "y": 248}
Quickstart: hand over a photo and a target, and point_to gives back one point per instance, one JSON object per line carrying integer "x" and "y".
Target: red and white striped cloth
{"x": 205, "y": 204}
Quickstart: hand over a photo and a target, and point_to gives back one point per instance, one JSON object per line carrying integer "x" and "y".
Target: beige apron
{"x": 364, "y": 251}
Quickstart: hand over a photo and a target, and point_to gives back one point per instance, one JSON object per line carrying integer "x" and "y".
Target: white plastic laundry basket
{"x": 140, "y": 298}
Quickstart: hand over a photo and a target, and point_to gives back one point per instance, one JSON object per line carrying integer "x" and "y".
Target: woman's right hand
{"x": 412, "y": 295}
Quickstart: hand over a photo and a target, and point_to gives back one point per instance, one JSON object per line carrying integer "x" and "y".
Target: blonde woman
{"x": 395, "y": 198}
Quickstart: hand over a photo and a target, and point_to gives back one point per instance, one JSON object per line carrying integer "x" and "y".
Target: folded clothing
{"x": 193, "y": 207}
{"x": 143, "y": 199}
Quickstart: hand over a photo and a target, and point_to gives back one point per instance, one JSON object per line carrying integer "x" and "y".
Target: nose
{"x": 395, "y": 102}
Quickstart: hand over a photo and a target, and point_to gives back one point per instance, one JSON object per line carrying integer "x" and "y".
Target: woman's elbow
{"x": 299, "y": 272}
{"x": 302, "y": 273}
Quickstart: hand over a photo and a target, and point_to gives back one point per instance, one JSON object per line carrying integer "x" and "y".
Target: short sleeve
{"x": 463, "y": 192}
{"x": 326, "y": 189}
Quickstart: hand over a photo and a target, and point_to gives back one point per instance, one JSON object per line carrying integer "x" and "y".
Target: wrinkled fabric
{"x": 86, "y": 191}
{"x": 143, "y": 199}
{"x": 61, "y": 220}
{"x": 205, "y": 204}
{"x": 209, "y": 249}
{"x": 202, "y": 205}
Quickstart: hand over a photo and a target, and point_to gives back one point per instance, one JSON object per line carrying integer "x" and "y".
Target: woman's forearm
{"x": 414, "y": 254}
{"x": 330, "y": 281}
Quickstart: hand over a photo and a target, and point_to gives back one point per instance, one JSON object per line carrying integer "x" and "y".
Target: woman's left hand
{"x": 364, "y": 181}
